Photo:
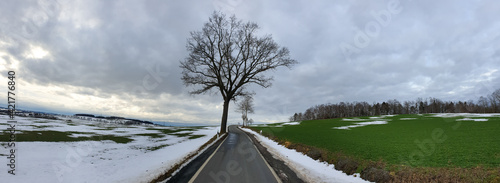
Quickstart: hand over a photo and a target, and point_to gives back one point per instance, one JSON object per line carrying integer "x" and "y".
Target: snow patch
{"x": 288, "y": 123}
{"x": 354, "y": 119}
{"x": 76, "y": 135}
{"x": 291, "y": 123}
{"x": 361, "y": 124}
{"x": 307, "y": 168}
{"x": 470, "y": 119}
{"x": 381, "y": 117}
{"x": 451, "y": 115}
{"x": 408, "y": 118}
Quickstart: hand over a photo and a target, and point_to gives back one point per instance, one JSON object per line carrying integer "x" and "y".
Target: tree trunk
{"x": 246, "y": 117}
{"x": 223, "y": 124}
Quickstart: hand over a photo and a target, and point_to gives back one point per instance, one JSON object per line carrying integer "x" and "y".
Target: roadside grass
{"x": 415, "y": 144}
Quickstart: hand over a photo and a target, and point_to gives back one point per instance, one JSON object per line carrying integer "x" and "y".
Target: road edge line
{"x": 205, "y": 163}
{"x": 265, "y": 161}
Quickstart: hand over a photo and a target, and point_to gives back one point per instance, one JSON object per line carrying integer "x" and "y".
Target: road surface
{"x": 235, "y": 160}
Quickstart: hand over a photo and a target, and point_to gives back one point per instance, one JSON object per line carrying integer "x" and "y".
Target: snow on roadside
{"x": 168, "y": 156}
{"x": 361, "y": 124}
{"x": 309, "y": 169}
{"x": 185, "y": 163}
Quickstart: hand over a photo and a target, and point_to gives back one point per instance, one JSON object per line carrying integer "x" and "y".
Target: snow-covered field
{"x": 89, "y": 151}
{"x": 309, "y": 169}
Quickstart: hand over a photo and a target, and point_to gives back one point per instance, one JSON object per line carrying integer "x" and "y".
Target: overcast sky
{"x": 122, "y": 57}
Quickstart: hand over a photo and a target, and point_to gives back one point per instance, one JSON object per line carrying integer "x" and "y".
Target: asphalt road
{"x": 235, "y": 160}
{"x": 188, "y": 171}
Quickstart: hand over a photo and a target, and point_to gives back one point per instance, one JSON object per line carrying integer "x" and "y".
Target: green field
{"x": 406, "y": 140}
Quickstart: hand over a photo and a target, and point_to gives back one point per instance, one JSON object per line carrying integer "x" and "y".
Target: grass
{"x": 461, "y": 144}
{"x": 152, "y": 135}
{"x": 174, "y": 130}
{"x": 57, "y": 136}
{"x": 109, "y": 128}
{"x": 42, "y": 121}
{"x": 181, "y": 134}
{"x": 419, "y": 141}
{"x": 41, "y": 126}
{"x": 41, "y": 133}
{"x": 61, "y": 136}
{"x": 195, "y": 136}
{"x": 156, "y": 147}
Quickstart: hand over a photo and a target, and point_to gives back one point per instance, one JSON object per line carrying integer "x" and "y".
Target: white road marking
{"x": 203, "y": 166}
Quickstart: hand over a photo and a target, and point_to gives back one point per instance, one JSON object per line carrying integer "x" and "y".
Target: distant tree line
{"x": 489, "y": 104}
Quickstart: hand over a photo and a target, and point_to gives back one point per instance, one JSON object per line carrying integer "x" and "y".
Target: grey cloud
{"x": 109, "y": 48}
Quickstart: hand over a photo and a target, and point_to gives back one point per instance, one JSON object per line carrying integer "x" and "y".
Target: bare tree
{"x": 245, "y": 107}
{"x": 493, "y": 103}
{"x": 250, "y": 121}
{"x": 495, "y": 100}
{"x": 407, "y": 105}
{"x": 490, "y": 104}
{"x": 226, "y": 55}
{"x": 483, "y": 104}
